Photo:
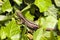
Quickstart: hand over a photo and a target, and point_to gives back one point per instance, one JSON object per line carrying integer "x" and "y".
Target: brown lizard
{"x": 26, "y": 22}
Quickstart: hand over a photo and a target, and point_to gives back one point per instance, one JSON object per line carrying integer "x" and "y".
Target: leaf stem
{"x": 26, "y": 8}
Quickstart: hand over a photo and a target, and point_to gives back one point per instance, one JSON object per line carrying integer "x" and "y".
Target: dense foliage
{"x": 44, "y": 13}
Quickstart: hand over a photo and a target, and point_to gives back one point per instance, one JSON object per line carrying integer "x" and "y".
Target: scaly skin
{"x": 26, "y": 22}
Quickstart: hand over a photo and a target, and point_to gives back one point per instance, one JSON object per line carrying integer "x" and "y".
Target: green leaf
{"x": 43, "y": 5}
{"x": 16, "y": 37}
{"x": 4, "y": 0}
{"x": 38, "y": 34}
{"x": 28, "y": 16}
{"x": 6, "y": 6}
{"x": 48, "y": 22}
{"x": 59, "y": 24}
{"x": 51, "y": 18}
{"x": 1, "y": 2}
{"x": 12, "y": 28}
{"x": 2, "y": 33}
{"x": 57, "y": 2}
{"x": 18, "y": 1}
{"x": 3, "y": 17}
{"x": 47, "y": 34}
{"x": 52, "y": 11}
{"x": 51, "y": 35}
{"x": 58, "y": 37}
